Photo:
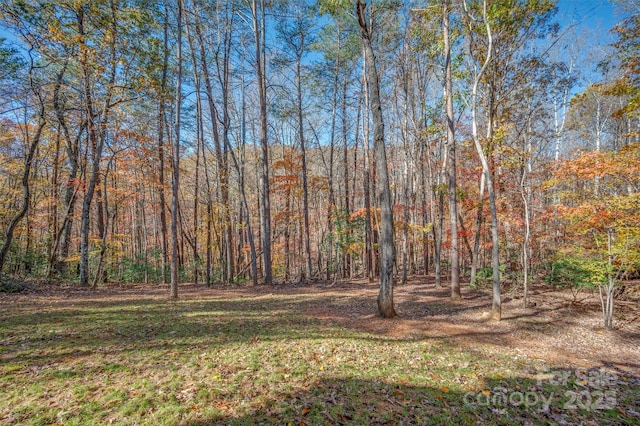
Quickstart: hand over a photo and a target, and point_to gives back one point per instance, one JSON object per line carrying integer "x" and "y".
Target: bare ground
{"x": 556, "y": 327}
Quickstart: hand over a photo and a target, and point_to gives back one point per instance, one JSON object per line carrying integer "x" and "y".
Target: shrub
{"x": 9, "y": 284}
{"x": 577, "y": 273}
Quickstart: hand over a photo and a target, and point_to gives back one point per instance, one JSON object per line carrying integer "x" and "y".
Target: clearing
{"x": 314, "y": 354}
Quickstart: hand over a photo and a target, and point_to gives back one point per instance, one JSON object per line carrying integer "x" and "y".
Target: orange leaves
{"x": 624, "y": 164}
{"x": 599, "y": 197}
{"x": 286, "y": 183}
{"x": 586, "y": 166}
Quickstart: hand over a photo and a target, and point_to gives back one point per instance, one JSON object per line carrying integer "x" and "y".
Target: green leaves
{"x": 10, "y": 62}
{"x": 578, "y": 270}
{"x": 336, "y": 7}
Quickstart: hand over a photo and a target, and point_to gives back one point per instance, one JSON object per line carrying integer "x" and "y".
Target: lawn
{"x": 300, "y": 355}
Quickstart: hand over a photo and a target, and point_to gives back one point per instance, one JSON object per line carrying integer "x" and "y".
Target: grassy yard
{"x": 251, "y": 356}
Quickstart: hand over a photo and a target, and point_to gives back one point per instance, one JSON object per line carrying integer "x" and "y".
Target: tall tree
{"x": 265, "y": 205}
{"x": 386, "y": 307}
{"x": 496, "y": 308}
{"x": 97, "y": 117}
{"x": 175, "y": 179}
{"x": 296, "y": 36}
{"x": 162, "y": 203}
{"x": 451, "y": 143}
{"x": 31, "y": 144}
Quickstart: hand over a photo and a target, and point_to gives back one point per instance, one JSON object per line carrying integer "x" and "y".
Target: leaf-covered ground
{"x": 312, "y": 355}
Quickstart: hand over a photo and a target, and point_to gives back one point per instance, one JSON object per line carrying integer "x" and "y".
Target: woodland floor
{"x": 315, "y": 354}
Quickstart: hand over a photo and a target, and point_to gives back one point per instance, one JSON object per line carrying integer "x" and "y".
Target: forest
{"x": 272, "y": 142}
{"x": 227, "y": 142}
{"x": 324, "y": 212}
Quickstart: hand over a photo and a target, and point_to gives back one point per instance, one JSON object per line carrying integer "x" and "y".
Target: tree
{"x": 602, "y": 227}
{"x": 265, "y": 204}
{"x": 175, "y": 178}
{"x": 31, "y": 143}
{"x": 628, "y": 51}
{"x": 97, "y": 118}
{"x": 161, "y": 94}
{"x": 296, "y": 36}
{"x": 496, "y": 308}
{"x": 451, "y": 143}
{"x": 385, "y": 297}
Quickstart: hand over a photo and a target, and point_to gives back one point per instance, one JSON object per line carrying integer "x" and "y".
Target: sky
{"x": 594, "y": 16}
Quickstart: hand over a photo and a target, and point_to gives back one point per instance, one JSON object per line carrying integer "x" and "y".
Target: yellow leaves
{"x": 55, "y": 32}
{"x": 419, "y": 228}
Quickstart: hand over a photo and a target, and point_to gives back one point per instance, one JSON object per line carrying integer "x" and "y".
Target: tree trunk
{"x": 496, "y": 308}
{"x": 230, "y": 266}
{"x": 346, "y": 258}
{"x": 162, "y": 203}
{"x": 26, "y": 192}
{"x": 367, "y": 181}
{"x": 476, "y": 241}
{"x": 243, "y": 194}
{"x": 439, "y": 229}
{"x": 303, "y": 149}
{"x": 96, "y": 137}
{"x": 223, "y": 179}
{"x": 385, "y": 297}
{"x": 265, "y": 205}
{"x": 175, "y": 180}
{"x": 62, "y": 238}
{"x": 103, "y": 239}
{"x": 332, "y": 200}
{"x": 451, "y": 143}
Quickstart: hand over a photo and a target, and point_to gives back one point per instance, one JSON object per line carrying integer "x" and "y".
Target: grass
{"x": 216, "y": 359}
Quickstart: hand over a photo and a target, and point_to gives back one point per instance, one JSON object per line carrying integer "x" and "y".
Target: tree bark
{"x": 175, "y": 181}
{"x": 96, "y": 135}
{"x": 162, "y": 202}
{"x": 303, "y": 149}
{"x": 265, "y": 205}
{"x": 385, "y": 297}
{"x": 451, "y": 143}
{"x": 496, "y": 308}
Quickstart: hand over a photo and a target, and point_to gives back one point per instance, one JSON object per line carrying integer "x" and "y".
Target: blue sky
{"x": 594, "y": 16}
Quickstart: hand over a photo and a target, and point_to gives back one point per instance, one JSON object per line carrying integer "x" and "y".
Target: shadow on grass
{"x": 53, "y": 346}
{"x": 560, "y": 396}
{"x": 131, "y": 321}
